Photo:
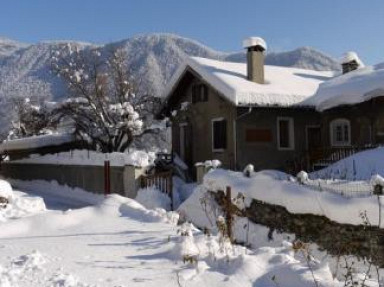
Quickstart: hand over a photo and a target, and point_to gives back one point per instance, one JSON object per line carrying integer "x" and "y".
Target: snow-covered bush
{"x": 248, "y": 170}
{"x": 302, "y": 177}
{"x": 225, "y": 243}
{"x": 186, "y": 248}
{"x": 377, "y": 180}
{"x": 6, "y": 193}
{"x": 378, "y": 183}
{"x": 212, "y": 164}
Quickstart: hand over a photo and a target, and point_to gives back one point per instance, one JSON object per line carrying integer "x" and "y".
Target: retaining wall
{"x": 337, "y": 239}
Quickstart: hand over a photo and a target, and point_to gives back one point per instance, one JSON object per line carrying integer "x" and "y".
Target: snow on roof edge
{"x": 36, "y": 142}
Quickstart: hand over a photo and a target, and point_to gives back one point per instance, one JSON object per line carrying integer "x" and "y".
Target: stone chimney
{"x": 255, "y": 58}
{"x": 350, "y": 62}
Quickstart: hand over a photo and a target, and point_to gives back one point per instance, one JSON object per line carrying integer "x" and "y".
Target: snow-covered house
{"x": 351, "y": 106}
{"x": 243, "y": 113}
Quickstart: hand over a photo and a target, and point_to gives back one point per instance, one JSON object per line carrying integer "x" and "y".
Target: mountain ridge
{"x": 25, "y": 68}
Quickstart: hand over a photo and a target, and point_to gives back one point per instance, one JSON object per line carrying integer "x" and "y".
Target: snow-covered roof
{"x": 284, "y": 86}
{"x": 36, "y": 142}
{"x": 351, "y": 88}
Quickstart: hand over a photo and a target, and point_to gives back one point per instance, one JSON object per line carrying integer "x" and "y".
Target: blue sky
{"x": 332, "y": 26}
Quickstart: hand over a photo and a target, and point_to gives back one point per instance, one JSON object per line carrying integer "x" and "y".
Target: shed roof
{"x": 351, "y": 88}
{"x": 36, "y": 142}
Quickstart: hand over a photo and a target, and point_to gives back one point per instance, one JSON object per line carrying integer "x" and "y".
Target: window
{"x": 219, "y": 134}
{"x": 285, "y": 134}
{"x": 340, "y": 132}
{"x": 258, "y": 135}
{"x": 199, "y": 93}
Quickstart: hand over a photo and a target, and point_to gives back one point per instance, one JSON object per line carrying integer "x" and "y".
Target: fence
{"x": 123, "y": 180}
{"x": 160, "y": 180}
{"x": 342, "y": 187}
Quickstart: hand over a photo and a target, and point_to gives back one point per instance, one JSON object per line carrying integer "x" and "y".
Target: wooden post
{"x": 228, "y": 212}
{"x": 107, "y": 177}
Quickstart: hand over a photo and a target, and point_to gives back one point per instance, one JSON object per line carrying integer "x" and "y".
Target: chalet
{"x": 244, "y": 113}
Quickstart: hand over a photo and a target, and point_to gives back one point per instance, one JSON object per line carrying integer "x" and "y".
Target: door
{"x": 313, "y": 138}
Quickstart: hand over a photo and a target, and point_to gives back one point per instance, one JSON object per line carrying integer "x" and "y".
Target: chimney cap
{"x": 253, "y": 42}
{"x": 350, "y": 57}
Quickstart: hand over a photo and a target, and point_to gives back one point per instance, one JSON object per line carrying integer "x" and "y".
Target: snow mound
{"x": 377, "y": 180}
{"x": 153, "y": 198}
{"x": 21, "y": 205}
{"x": 360, "y": 166}
{"x": 65, "y": 280}
{"x": 5, "y": 189}
{"x": 33, "y": 261}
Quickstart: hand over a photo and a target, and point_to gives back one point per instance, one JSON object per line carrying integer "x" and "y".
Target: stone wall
{"x": 337, "y": 239}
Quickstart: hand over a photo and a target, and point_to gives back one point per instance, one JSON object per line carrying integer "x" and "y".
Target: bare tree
{"x": 103, "y": 103}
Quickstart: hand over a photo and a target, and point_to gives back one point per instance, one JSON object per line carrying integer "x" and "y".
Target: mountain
{"x": 304, "y": 57}
{"x": 25, "y": 69}
{"x": 8, "y": 46}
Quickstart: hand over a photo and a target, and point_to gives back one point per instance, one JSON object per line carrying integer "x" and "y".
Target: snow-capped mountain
{"x": 8, "y": 46}
{"x": 25, "y": 69}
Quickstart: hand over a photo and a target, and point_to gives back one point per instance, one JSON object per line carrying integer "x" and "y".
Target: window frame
{"x": 213, "y": 121}
{"x": 199, "y": 93}
{"x": 291, "y": 133}
{"x": 340, "y": 122}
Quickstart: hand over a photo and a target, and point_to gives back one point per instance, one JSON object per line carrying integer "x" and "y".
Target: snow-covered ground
{"x": 360, "y": 166}
{"x": 118, "y": 242}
